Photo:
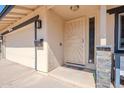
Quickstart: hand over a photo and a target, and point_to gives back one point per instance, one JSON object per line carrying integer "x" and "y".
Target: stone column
{"x": 103, "y": 55}
{"x": 103, "y": 67}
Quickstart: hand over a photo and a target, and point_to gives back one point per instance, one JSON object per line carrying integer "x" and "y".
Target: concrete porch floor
{"x": 14, "y": 75}
{"x": 80, "y": 78}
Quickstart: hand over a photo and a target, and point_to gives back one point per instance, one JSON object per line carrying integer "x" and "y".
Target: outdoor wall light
{"x": 38, "y": 24}
{"x": 74, "y": 7}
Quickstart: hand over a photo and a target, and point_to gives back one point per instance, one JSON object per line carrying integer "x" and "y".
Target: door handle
{"x": 83, "y": 42}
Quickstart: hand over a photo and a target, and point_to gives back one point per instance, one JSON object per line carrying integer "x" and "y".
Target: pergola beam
{"x": 6, "y": 22}
{"x": 15, "y": 13}
{"x": 23, "y": 8}
{"x": 115, "y": 10}
{"x": 8, "y": 17}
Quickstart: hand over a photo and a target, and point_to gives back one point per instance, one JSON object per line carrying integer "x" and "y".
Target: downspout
{"x": 35, "y": 38}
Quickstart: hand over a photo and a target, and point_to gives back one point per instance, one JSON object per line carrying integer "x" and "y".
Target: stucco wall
{"x": 55, "y": 26}
{"x": 110, "y": 30}
{"x": 51, "y": 55}
{"x": 20, "y": 44}
{"x": 55, "y": 31}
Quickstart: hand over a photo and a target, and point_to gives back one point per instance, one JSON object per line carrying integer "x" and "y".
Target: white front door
{"x": 74, "y": 41}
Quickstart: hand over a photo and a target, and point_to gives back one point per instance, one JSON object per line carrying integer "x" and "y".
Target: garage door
{"x": 20, "y": 46}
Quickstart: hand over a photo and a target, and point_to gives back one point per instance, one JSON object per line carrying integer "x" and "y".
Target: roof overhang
{"x": 5, "y": 10}
{"x": 13, "y": 13}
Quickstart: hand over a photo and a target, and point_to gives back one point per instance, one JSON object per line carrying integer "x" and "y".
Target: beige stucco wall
{"x": 24, "y": 39}
{"x": 55, "y": 31}
{"x": 51, "y": 55}
{"x": 110, "y": 31}
{"x": 55, "y": 27}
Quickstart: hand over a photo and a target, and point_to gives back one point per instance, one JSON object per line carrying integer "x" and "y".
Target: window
{"x": 91, "y": 39}
{"x": 121, "y": 32}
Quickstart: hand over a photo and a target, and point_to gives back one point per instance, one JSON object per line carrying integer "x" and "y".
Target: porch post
{"x": 103, "y": 55}
{"x": 103, "y": 25}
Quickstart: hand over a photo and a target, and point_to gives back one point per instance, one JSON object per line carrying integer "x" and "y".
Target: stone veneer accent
{"x": 103, "y": 66}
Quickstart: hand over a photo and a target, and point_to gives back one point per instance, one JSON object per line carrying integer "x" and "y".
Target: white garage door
{"x": 20, "y": 46}
{"x": 74, "y": 41}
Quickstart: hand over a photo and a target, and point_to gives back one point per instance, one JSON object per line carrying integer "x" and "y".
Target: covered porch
{"x": 74, "y": 19}
{"x": 64, "y": 40}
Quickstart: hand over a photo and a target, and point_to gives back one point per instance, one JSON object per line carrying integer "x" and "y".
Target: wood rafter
{"x": 14, "y": 16}
{"x": 6, "y": 22}
{"x": 23, "y": 8}
{"x": 14, "y": 13}
{"x": 4, "y": 19}
{"x": 8, "y": 17}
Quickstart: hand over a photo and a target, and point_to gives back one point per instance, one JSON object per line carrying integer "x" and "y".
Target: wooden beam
{"x": 4, "y": 27}
{"x": 14, "y": 13}
{"x": 23, "y": 8}
{"x": 50, "y": 6}
{"x": 6, "y": 22}
{"x": 4, "y": 19}
{"x": 29, "y": 21}
{"x": 119, "y": 9}
{"x": 8, "y": 17}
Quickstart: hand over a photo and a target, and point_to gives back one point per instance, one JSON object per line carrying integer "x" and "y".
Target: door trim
{"x": 96, "y": 15}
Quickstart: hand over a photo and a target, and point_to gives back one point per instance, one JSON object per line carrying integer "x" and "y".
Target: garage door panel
{"x": 20, "y": 46}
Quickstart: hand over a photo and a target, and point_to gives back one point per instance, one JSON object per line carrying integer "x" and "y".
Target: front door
{"x": 74, "y": 41}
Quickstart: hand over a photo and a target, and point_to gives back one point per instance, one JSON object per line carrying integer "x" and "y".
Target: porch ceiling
{"x": 17, "y": 13}
{"x": 65, "y": 12}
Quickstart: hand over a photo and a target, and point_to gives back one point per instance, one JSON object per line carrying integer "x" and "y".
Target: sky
{"x": 2, "y": 7}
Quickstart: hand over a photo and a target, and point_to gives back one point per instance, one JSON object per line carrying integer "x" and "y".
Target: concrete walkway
{"x": 13, "y": 75}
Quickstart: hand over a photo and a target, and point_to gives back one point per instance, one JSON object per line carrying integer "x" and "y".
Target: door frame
{"x": 96, "y": 16}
